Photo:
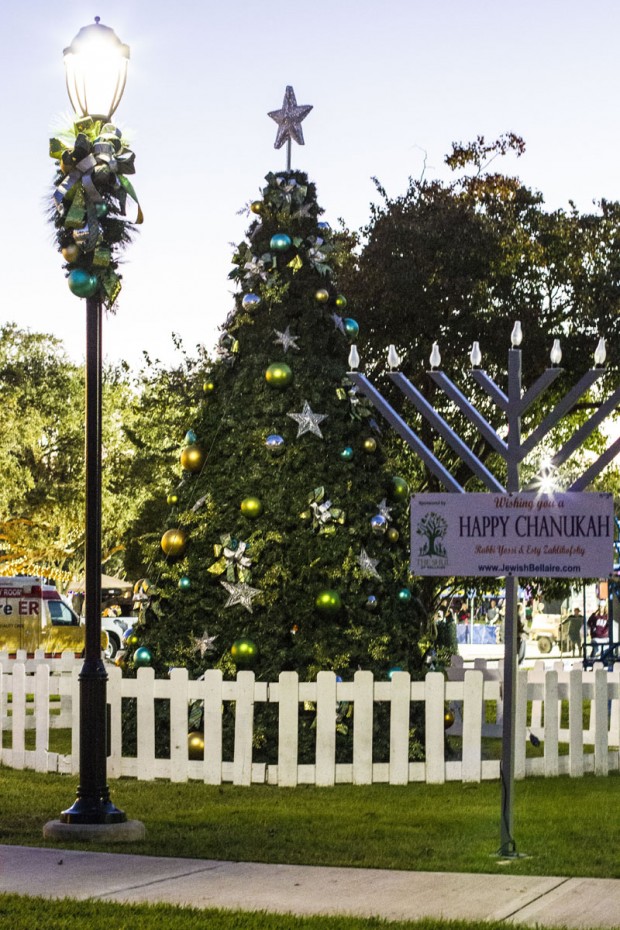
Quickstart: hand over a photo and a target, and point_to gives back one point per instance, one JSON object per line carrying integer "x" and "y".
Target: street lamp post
{"x": 96, "y": 70}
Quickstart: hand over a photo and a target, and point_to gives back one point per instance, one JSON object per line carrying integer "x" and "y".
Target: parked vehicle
{"x": 116, "y": 628}
{"x": 33, "y": 615}
{"x": 547, "y": 630}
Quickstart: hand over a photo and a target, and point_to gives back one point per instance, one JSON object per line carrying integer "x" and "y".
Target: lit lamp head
{"x": 96, "y": 71}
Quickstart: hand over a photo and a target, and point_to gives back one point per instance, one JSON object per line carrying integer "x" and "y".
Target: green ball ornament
{"x": 351, "y": 328}
{"x": 278, "y": 376}
{"x": 328, "y": 601}
{"x": 195, "y": 745}
{"x": 82, "y": 283}
{"x": 142, "y": 657}
{"x": 209, "y": 387}
{"x": 251, "y": 507}
{"x": 172, "y": 499}
{"x": 404, "y": 595}
{"x": 244, "y": 652}
{"x": 399, "y": 489}
{"x": 184, "y": 583}
{"x": 321, "y": 296}
{"x": 280, "y": 242}
{"x": 347, "y": 454}
{"x": 341, "y": 301}
{"x": 101, "y": 209}
{"x": 131, "y": 639}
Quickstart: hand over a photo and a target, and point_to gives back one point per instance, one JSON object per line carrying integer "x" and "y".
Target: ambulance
{"x": 34, "y": 616}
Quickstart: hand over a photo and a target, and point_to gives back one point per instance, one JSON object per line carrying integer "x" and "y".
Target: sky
{"x": 392, "y": 84}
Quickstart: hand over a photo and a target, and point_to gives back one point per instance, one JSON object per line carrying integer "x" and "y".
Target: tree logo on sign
{"x": 433, "y": 527}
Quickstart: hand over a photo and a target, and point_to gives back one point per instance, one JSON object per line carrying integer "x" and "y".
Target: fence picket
{"x": 19, "y": 716}
{"x": 520, "y": 723}
{"x": 42, "y": 717}
{"x": 179, "y": 704}
{"x": 552, "y": 723}
{"x": 474, "y": 708}
{"x": 146, "y": 723}
{"x": 434, "y": 728}
{"x": 288, "y": 728}
{"x": 326, "y": 712}
{"x": 575, "y": 723}
{"x": 600, "y": 712}
{"x": 399, "y": 727}
{"x": 363, "y": 711}
{"x": 211, "y": 690}
{"x": 244, "y": 729}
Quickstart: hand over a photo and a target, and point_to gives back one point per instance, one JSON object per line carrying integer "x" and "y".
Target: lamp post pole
{"x": 96, "y": 67}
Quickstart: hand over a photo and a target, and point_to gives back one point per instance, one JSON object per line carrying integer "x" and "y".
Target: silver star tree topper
{"x": 289, "y": 120}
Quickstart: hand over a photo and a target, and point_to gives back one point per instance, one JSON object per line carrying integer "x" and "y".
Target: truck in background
{"x": 33, "y": 616}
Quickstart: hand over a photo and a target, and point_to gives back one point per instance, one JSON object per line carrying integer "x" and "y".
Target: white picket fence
{"x": 41, "y": 701}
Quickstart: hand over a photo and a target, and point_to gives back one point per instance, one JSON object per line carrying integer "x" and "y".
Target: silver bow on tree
{"x": 324, "y": 516}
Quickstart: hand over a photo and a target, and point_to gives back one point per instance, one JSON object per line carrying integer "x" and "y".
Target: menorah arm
{"x": 597, "y": 467}
{"x": 489, "y": 385}
{"x": 541, "y": 384}
{"x": 411, "y": 438}
{"x": 560, "y": 410}
{"x": 446, "y": 431}
{"x": 584, "y": 431}
{"x": 482, "y": 425}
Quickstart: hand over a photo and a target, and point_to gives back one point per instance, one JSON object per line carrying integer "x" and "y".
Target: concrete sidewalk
{"x": 55, "y": 873}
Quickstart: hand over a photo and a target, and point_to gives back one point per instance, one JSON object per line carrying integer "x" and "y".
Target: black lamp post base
{"x": 93, "y": 810}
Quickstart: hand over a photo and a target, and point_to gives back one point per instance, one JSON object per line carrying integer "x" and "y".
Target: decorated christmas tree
{"x": 287, "y": 541}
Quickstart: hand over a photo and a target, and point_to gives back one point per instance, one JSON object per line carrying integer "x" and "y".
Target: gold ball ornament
{"x": 172, "y": 499}
{"x": 257, "y": 207}
{"x": 174, "y": 542}
{"x": 278, "y": 375}
{"x": 321, "y": 296}
{"x": 392, "y": 535}
{"x": 70, "y": 253}
{"x": 448, "y": 719}
{"x": 209, "y": 387}
{"x": 195, "y": 745}
{"x": 370, "y": 445}
{"x": 192, "y": 458}
{"x": 251, "y": 507}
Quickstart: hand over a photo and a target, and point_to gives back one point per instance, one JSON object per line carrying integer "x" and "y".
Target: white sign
{"x": 529, "y": 535}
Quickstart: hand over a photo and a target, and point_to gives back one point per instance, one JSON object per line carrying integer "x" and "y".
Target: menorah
{"x": 513, "y": 449}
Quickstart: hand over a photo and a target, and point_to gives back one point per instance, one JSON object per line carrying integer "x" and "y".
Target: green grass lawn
{"x": 25, "y": 913}
{"x": 559, "y": 822}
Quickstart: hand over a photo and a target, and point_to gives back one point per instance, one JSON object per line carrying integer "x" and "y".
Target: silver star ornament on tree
{"x": 307, "y": 421}
{"x": 289, "y": 119}
{"x": 240, "y": 593}
{"x": 286, "y": 340}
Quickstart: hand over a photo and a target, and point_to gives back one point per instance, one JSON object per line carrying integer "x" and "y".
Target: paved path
{"x": 547, "y": 902}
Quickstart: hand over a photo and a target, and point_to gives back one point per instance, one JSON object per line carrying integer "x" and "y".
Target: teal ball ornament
{"x": 244, "y": 652}
{"x": 142, "y": 657}
{"x": 351, "y": 328}
{"x": 275, "y": 444}
{"x": 190, "y": 436}
{"x": 379, "y": 524}
{"x": 278, "y": 376}
{"x": 82, "y": 283}
{"x": 399, "y": 489}
{"x": 280, "y": 242}
{"x": 404, "y": 595}
{"x": 328, "y": 601}
{"x": 347, "y": 454}
{"x": 392, "y": 671}
{"x": 101, "y": 209}
{"x": 324, "y": 227}
{"x": 184, "y": 583}
{"x": 250, "y": 301}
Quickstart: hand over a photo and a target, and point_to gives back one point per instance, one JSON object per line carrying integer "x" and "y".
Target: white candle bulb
{"x": 475, "y": 356}
{"x": 393, "y": 358}
{"x": 435, "y": 359}
{"x": 600, "y": 353}
{"x": 556, "y": 353}
{"x": 354, "y": 358}
{"x": 516, "y": 336}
